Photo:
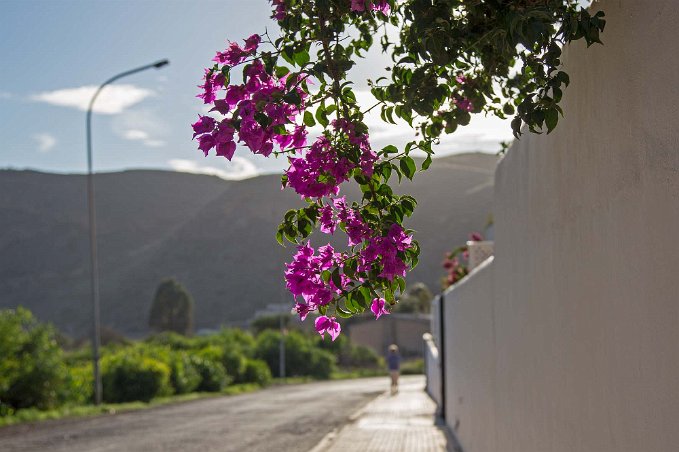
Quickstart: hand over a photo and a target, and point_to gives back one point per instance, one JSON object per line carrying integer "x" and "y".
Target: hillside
{"x": 216, "y": 237}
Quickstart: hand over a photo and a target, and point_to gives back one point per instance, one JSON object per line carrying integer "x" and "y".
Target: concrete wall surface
{"x": 569, "y": 340}
{"x": 432, "y": 368}
{"x": 470, "y": 358}
{"x": 404, "y": 330}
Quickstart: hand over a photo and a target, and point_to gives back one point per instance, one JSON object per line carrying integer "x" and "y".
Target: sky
{"x": 53, "y": 54}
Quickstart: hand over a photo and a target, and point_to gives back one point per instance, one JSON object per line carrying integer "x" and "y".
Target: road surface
{"x": 283, "y": 418}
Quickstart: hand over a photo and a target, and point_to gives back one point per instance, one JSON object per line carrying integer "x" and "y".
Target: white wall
{"x": 432, "y": 368}
{"x": 470, "y": 359}
{"x": 584, "y": 289}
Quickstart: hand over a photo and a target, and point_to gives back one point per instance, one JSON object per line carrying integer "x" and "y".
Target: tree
{"x": 416, "y": 299}
{"x": 452, "y": 59}
{"x": 172, "y": 309}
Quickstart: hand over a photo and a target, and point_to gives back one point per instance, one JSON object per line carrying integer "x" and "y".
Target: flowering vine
{"x": 456, "y": 262}
{"x": 452, "y": 58}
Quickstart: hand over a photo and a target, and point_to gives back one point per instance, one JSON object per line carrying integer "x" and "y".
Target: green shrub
{"x": 213, "y": 377}
{"x": 413, "y": 367}
{"x": 32, "y": 369}
{"x": 234, "y": 362}
{"x": 302, "y": 357}
{"x": 350, "y": 355}
{"x": 173, "y": 340}
{"x": 81, "y": 382}
{"x": 321, "y": 365}
{"x": 184, "y": 375}
{"x": 208, "y": 362}
{"x": 127, "y": 377}
{"x": 237, "y": 339}
{"x": 364, "y": 357}
{"x": 256, "y": 371}
{"x": 336, "y": 347}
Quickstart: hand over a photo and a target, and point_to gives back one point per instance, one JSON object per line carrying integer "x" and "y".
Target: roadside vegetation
{"x": 42, "y": 376}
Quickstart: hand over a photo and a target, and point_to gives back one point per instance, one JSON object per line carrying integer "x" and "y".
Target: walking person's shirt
{"x": 394, "y": 361}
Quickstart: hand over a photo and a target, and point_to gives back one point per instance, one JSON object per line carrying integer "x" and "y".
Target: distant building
{"x": 404, "y": 330}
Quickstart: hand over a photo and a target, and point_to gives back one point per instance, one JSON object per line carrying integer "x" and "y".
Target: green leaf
{"x": 293, "y": 97}
{"x": 551, "y": 118}
{"x": 281, "y": 71}
{"x": 343, "y": 313}
{"x": 336, "y": 278}
{"x": 390, "y": 149}
{"x": 365, "y": 296}
{"x": 401, "y": 284}
{"x": 426, "y": 163}
{"x": 309, "y": 119}
{"x": 321, "y": 116}
{"x": 408, "y": 167}
{"x": 516, "y": 126}
{"x": 301, "y": 58}
{"x": 288, "y": 54}
{"x": 351, "y": 304}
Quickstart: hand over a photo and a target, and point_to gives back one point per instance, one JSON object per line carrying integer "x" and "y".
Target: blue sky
{"x": 53, "y": 52}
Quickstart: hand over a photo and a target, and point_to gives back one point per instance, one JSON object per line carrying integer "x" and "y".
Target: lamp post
{"x": 94, "y": 265}
{"x": 281, "y": 347}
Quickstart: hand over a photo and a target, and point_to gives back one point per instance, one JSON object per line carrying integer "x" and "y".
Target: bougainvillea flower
{"x": 328, "y": 325}
{"x": 376, "y": 5}
{"x": 303, "y": 310}
{"x": 358, "y": 5}
{"x": 279, "y": 12}
{"x": 326, "y": 220}
{"x": 205, "y": 124}
{"x": 475, "y": 237}
{"x": 378, "y": 307}
{"x": 206, "y": 142}
{"x": 464, "y": 104}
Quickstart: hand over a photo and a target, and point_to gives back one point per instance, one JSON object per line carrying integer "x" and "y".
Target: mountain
{"x": 216, "y": 237}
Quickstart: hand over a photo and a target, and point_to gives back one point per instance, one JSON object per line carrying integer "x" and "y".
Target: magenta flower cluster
{"x": 375, "y": 5}
{"x": 328, "y": 325}
{"x": 304, "y": 275}
{"x": 256, "y": 109}
{"x": 456, "y": 267}
{"x": 321, "y": 170}
{"x": 279, "y": 9}
{"x": 263, "y": 112}
{"x": 460, "y": 101}
{"x": 304, "y": 279}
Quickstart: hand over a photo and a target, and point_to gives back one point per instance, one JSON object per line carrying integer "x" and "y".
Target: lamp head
{"x": 161, "y": 63}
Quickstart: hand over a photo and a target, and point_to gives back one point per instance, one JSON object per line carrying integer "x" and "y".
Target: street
{"x": 283, "y": 418}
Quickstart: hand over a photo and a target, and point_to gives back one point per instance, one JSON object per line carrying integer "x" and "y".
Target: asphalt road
{"x": 284, "y": 418}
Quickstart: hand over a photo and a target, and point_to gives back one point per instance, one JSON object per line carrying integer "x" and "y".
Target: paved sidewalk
{"x": 400, "y": 423}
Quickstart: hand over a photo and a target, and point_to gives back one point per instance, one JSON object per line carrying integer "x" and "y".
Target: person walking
{"x": 394, "y": 364}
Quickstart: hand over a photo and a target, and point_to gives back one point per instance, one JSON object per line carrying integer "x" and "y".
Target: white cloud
{"x": 239, "y": 168}
{"x": 5, "y": 95}
{"x": 112, "y": 100}
{"x": 45, "y": 142}
{"x": 140, "y": 125}
{"x": 135, "y": 135}
{"x": 484, "y": 133}
{"x": 140, "y": 135}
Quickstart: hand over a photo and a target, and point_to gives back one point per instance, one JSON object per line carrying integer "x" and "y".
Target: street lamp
{"x": 94, "y": 266}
